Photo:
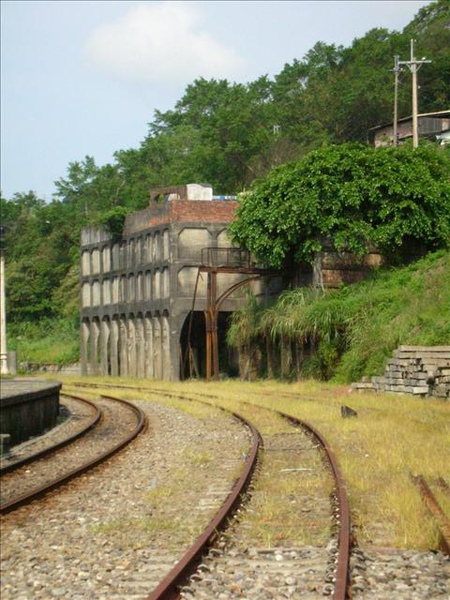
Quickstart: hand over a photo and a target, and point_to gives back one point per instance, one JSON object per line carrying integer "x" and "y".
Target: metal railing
{"x": 226, "y": 257}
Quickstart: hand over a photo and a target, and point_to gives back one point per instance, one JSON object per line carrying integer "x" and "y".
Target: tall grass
{"x": 350, "y": 332}
{"x": 406, "y": 306}
{"x": 48, "y": 341}
{"x": 392, "y": 436}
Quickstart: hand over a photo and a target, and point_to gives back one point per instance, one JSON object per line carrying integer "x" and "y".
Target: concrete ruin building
{"x": 155, "y": 303}
{"x": 156, "y": 300}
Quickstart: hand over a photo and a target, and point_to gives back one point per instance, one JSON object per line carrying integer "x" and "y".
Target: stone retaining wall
{"x": 417, "y": 370}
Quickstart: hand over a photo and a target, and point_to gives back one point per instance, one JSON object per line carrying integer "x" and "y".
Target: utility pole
{"x": 4, "y": 370}
{"x": 396, "y": 72}
{"x": 414, "y": 65}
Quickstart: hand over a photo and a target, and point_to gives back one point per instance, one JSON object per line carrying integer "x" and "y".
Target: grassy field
{"x": 391, "y": 437}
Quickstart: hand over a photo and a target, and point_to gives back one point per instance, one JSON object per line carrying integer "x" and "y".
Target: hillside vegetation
{"x": 339, "y": 335}
{"x": 350, "y": 332}
{"x": 245, "y": 139}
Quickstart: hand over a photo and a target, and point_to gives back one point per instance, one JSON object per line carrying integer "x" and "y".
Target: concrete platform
{"x": 28, "y": 407}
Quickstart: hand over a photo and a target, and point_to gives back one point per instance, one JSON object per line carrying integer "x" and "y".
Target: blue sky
{"x": 84, "y": 77}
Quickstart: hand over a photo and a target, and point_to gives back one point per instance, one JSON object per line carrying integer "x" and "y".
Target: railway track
{"x": 323, "y": 568}
{"x": 431, "y": 501}
{"x": 136, "y": 516}
{"x": 116, "y": 424}
{"x": 145, "y": 517}
{"x": 82, "y": 415}
{"x": 243, "y": 564}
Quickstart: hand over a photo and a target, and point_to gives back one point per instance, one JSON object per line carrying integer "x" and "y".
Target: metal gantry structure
{"x": 216, "y": 261}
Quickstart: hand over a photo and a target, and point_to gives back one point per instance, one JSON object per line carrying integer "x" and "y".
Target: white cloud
{"x": 161, "y": 42}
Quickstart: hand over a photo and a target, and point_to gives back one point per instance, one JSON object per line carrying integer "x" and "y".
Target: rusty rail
{"x": 434, "y": 508}
{"x": 47, "y": 451}
{"x": 41, "y": 491}
{"x": 341, "y": 588}
{"x": 168, "y": 589}
{"x": 342, "y": 584}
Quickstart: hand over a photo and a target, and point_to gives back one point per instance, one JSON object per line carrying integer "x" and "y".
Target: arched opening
{"x": 193, "y": 347}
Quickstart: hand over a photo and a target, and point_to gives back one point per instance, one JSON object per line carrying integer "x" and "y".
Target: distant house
{"x": 433, "y": 126}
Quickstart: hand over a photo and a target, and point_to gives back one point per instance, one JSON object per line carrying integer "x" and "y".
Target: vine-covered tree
{"x": 397, "y": 199}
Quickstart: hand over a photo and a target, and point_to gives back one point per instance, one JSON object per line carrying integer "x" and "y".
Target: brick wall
{"x": 210, "y": 211}
{"x": 179, "y": 211}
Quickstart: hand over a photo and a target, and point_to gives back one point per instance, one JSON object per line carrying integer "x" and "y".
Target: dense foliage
{"x": 396, "y": 199}
{"x": 230, "y": 135}
{"x": 346, "y": 333}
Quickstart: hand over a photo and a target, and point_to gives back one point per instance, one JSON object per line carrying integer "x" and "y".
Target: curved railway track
{"x": 115, "y": 426}
{"x": 328, "y": 572}
{"x": 177, "y": 576}
{"x": 122, "y": 512}
{"x": 342, "y": 510}
{"x": 86, "y": 413}
{"x": 335, "y": 573}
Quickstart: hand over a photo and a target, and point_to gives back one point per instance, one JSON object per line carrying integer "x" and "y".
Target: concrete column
{"x": 84, "y": 343}
{"x": 95, "y": 334}
{"x": 148, "y": 345}
{"x": 114, "y": 347}
{"x": 4, "y": 368}
{"x": 157, "y": 348}
{"x": 105, "y": 357}
{"x": 165, "y": 348}
{"x": 123, "y": 346}
{"x": 140, "y": 346}
{"x": 132, "y": 370}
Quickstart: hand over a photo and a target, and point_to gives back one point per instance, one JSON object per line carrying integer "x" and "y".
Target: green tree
{"x": 40, "y": 249}
{"x": 366, "y": 87}
{"x": 431, "y": 30}
{"x": 305, "y": 102}
{"x": 89, "y": 190}
{"x": 213, "y": 133}
{"x": 397, "y": 199}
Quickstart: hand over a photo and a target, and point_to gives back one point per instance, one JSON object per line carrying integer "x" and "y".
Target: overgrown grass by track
{"x": 343, "y": 334}
{"x": 45, "y": 342}
{"x": 392, "y": 436}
